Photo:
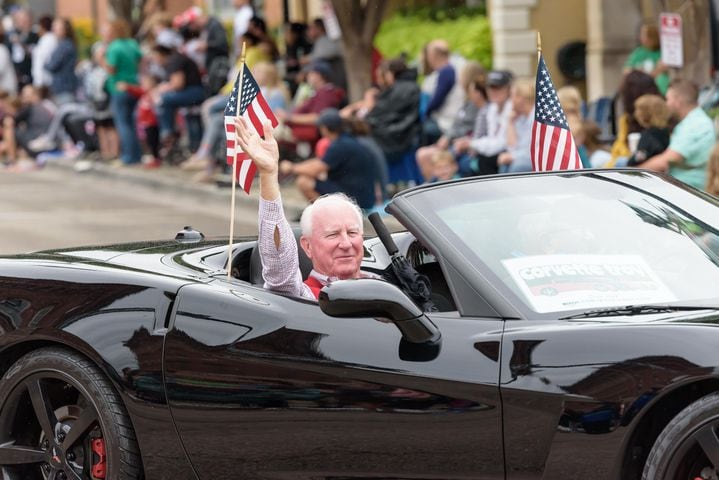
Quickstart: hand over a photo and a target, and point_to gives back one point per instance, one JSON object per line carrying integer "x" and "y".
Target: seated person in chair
{"x": 332, "y": 227}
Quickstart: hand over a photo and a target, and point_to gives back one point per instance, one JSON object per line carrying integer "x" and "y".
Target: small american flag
{"x": 254, "y": 109}
{"x": 553, "y": 146}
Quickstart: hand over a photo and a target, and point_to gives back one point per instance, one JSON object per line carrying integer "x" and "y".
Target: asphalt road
{"x": 54, "y": 208}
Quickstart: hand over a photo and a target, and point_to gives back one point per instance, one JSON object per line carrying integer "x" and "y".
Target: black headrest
{"x": 256, "y": 263}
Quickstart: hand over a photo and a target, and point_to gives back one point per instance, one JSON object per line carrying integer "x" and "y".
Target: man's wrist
{"x": 269, "y": 172}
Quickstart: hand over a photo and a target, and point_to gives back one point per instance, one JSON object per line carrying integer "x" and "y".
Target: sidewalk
{"x": 172, "y": 179}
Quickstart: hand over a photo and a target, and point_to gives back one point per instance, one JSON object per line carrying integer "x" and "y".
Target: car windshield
{"x": 577, "y": 242}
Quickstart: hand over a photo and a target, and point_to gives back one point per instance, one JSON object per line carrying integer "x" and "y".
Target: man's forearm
{"x": 303, "y": 118}
{"x": 269, "y": 186}
{"x": 661, "y": 162}
{"x": 313, "y": 167}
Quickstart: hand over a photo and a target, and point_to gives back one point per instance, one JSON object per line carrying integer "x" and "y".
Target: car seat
{"x": 256, "y": 263}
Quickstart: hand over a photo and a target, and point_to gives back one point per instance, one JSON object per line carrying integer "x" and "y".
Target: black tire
{"x": 56, "y": 392}
{"x": 689, "y": 445}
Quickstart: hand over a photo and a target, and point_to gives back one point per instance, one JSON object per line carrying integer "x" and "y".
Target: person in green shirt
{"x": 647, "y": 57}
{"x": 692, "y": 140}
{"x": 122, "y": 62}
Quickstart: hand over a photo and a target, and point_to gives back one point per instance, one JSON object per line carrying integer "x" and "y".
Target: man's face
{"x": 498, "y": 94}
{"x": 520, "y": 104}
{"x": 27, "y": 95}
{"x": 314, "y": 79}
{"x": 476, "y": 96}
{"x": 21, "y": 19}
{"x": 313, "y": 32}
{"x": 335, "y": 245}
{"x": 673, "y": 101}
{"x": 159, "y": 58}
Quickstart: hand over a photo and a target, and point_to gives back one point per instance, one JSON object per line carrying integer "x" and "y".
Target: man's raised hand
{"x": 264, "y": 152}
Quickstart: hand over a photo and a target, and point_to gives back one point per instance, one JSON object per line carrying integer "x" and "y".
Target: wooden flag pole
{"x": 539, "y": 47}
{"x": 234, "y": 171}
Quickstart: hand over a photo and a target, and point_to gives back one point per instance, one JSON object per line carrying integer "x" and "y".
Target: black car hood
{"x": 105, "y": 253}
{"x": 161, "y": 257}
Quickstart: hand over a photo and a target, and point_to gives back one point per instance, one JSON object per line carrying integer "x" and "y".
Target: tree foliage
{"x": 467, "y": 31}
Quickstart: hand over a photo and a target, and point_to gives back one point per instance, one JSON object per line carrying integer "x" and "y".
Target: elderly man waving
{"x": 331, "y": 227}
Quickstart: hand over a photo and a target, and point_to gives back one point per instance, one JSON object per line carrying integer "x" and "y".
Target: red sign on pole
{"x": 670, "y": 38}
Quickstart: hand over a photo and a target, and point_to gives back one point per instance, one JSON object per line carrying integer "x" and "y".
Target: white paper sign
{"x": 670, "y": 38}
{"x": 553, "y": 283}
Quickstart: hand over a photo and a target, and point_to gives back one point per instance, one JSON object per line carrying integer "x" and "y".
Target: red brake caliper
{"x": 99, "y": 467}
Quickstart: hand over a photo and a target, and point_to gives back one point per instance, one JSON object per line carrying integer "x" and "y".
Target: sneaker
{"x": 83, "y": 166}
{"x": 42, "y": 143}
{"x": 152, "y": 164}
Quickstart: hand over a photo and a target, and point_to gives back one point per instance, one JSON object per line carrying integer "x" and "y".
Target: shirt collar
{"x": 323, "y": 279}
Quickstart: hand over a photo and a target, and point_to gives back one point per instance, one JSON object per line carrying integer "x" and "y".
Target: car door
{"x": 266, "y": 386}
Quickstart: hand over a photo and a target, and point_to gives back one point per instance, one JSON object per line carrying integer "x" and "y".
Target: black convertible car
{"x": 576, "y": 337}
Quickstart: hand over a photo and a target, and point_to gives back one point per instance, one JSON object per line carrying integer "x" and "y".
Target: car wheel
{"x": 60, "y": 419}
{"x": 688, "y": 447}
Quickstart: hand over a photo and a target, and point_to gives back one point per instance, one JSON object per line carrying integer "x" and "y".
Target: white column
{"x": 515, "y": 43}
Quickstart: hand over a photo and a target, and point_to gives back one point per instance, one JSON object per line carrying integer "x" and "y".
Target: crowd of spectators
{"x": 157, "y": 98}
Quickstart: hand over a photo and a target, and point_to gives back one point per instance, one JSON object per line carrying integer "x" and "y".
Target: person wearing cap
{"x": 213, "y": 37}
{"x": 303, "y": 119}
{"x": 347, "y": 166}
{"x": 332, "y": 227}
{"x": 479, "y": 155}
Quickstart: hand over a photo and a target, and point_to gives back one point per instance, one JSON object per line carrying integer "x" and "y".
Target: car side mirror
{"x": 366, "y": 297}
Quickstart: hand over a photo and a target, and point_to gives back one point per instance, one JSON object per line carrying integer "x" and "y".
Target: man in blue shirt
{"x": 692, "y": 140}
{"x": 347, "y": 166}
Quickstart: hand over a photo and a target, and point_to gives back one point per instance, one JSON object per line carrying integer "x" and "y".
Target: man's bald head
{"x": 437, "y": 53}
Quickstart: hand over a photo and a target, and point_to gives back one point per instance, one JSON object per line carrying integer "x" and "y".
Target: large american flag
{"x": 553, "y": 146}
{"x": 253, "y": 107}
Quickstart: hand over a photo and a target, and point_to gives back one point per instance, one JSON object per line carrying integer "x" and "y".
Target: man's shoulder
{"x": 346, "y": 142}
{"x": 345, "y": 148}
{"x": 696, "y": 122}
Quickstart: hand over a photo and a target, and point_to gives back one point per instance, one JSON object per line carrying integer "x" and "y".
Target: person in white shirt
{"x": 41, "y": 53}
{"x": 8, "y": 78}
{"x": 241, "y": 23}
{"x": 480, "y": 154}
{"x": 517, "y": 158}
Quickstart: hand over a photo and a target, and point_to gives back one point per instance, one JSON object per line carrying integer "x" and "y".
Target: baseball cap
{"x": 330, "y": 118}
{"x": 499, "y": 78}
{"x": 320, "y": 67}
{"x": 187, "y": 16}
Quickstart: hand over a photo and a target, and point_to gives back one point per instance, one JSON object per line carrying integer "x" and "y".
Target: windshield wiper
{"x": 636, "y": 310}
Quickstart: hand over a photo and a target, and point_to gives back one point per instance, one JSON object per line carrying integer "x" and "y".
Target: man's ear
{"x": 305, "y": 244}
